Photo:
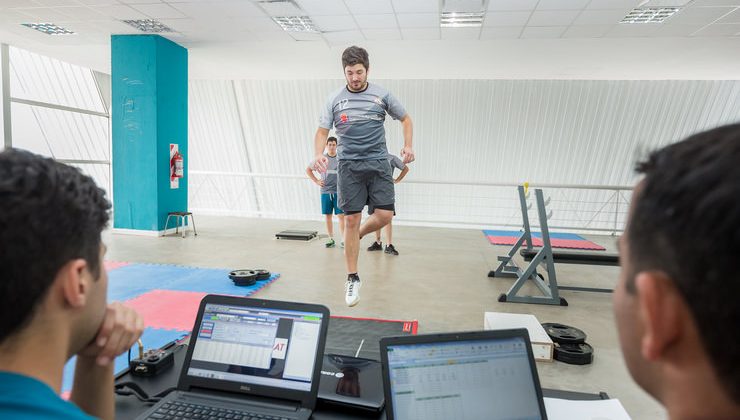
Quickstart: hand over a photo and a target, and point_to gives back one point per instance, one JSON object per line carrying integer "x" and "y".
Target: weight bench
{"x": 585, "y": 258}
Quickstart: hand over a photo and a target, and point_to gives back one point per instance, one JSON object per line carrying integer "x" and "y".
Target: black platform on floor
{"x": 585, "y": 258}
{"x": 347, "y": 335}
{"x": 297, "y": 235}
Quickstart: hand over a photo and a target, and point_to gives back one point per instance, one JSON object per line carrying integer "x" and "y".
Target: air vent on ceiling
{"x": 295, "y": 23}
{"x": 149, "y": 26}
{"x": 461, "y": 20}
{"x": 649, "y": 15}
{"x": 462, "y": 13}
{"x": 48, "y": 28}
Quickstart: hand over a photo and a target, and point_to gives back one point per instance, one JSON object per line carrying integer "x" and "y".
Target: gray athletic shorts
{"x": 364, "y": 182}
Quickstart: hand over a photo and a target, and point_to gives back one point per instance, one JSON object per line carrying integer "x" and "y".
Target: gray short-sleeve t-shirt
{"x": 330, "y": 176}
{"x": 358, "y": 119}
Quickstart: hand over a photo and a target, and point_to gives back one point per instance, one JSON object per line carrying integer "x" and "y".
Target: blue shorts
{"x": 330, "y": 202}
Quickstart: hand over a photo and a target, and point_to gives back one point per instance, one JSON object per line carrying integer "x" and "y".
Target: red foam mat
{"x": 556, "y": 243}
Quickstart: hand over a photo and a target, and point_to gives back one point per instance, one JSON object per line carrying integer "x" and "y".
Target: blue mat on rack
{"x": 554, "y": 235}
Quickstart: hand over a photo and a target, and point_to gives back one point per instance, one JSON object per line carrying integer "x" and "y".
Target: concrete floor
{"x": 439, "y": 278}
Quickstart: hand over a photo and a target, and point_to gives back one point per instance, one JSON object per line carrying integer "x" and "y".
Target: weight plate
{"x": 574, "y": 354}
{"x": 262, "y": 274}
{"x": 564, "y": 334}
{"x": 243, "y": 277}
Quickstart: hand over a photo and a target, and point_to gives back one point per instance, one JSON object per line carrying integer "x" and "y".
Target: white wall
{"x": 468, "y": 131}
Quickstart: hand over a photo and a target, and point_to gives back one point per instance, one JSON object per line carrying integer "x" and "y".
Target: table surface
{"x": 129, "y": 407}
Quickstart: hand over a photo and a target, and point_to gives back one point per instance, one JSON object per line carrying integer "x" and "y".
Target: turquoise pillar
{"x": 149, "y": 111}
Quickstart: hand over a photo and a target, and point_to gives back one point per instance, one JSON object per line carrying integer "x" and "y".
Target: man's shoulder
{"x": 335, "y": 95}
{"x": 14, "y": 401}
{"x": 377, "y": 90}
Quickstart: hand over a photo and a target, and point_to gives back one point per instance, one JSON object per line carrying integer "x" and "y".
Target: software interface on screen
{"x": 258, "y": 346}
{"x": 481, "y": 379}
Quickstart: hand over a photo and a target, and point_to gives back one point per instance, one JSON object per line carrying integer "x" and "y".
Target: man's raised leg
{"x": 379, "y": 219}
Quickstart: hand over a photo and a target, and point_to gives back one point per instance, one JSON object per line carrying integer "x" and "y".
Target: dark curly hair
{"x": 355, "y": 55}
{"x": 50, "y": 213}
{"x": 686, "y": 223}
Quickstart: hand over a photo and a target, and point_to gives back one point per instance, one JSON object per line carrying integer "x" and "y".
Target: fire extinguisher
{"x": 176, "y": 166}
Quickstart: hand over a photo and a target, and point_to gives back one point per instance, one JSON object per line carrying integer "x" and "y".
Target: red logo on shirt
{"x": 344, "y": 117}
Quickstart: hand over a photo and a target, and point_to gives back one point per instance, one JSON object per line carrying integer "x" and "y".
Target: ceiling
{"x": 209, "y": 24}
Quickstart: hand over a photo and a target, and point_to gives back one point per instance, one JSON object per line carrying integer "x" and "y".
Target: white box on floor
{"x": 542, "y": 346}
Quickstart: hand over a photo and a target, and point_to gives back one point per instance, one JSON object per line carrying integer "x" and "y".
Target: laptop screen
{"x": 470, "y": 379}
{"x": 259, "y": 346}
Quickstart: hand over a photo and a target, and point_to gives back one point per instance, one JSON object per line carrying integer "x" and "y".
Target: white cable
{"x": 358, "y": 349}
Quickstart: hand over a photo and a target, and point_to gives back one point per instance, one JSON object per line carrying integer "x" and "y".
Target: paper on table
{"x": 558, "y": 409}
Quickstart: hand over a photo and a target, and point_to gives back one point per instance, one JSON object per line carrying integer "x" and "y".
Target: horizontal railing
{"x": 431, "y": 202}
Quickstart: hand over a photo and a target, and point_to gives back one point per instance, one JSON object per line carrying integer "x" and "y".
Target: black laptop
{"x": 249, "y": 358}
{"x": 353, "y": 382}
{"x": 464, "y": 376}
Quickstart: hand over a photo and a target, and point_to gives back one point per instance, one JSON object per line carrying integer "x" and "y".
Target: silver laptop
{"x": 249, "y": 358}
{"x": 483, "y": 375}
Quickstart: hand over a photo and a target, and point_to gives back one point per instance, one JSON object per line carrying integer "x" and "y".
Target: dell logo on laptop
{"x": 327, "y": 373}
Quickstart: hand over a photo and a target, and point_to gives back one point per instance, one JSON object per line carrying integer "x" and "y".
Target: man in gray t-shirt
{"x": 328, "y": 184}
{"x": 357, "y": 113}
{"x": 396, "y": 163}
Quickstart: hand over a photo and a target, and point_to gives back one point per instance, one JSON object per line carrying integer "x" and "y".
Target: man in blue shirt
{"x": 357, "y": 113}
{"x": 53, "y": 292}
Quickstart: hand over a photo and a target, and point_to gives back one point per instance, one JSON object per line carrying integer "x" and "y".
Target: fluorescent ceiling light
{"x": 295, "y": 23}
{"x": 48, "y": 28}
{"x": 649, "y": 14}
{"x": 149, "y": 25}
{"x": 461, "y": 19}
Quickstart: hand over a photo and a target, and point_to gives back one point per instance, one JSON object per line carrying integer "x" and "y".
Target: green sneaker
{"x": 331, "y": 243}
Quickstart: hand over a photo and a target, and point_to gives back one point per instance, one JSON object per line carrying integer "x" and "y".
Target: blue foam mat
{"x": 516, "y": 233}
{"x": 152, "y": 338}
{"x": 132, "y": 280}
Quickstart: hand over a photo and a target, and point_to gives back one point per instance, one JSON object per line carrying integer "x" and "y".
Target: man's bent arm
{"x": 402, "y": 174}
{"x": 320, "y": 141}
{"x": 408, "y": 131}
{"x": 93, "y": 388}
{"x": 311, "y": 175}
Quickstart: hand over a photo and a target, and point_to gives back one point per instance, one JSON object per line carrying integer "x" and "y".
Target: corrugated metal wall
{"x": 77, "y": 133}
{"x": 467, "y": 131}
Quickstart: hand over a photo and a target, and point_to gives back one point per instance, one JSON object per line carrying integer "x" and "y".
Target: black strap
{"x": 132, "y": 388}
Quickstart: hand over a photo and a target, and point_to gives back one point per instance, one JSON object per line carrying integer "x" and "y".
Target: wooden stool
{"x": 180, "y": 218}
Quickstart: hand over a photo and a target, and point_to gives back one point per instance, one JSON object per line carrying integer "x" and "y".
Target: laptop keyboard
{"x": 183, "y": 410}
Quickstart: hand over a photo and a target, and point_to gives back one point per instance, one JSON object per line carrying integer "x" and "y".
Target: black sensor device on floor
{"x": 152, "y": 362}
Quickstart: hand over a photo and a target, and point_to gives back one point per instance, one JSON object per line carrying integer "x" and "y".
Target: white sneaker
{"x": 352, "y": 290}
